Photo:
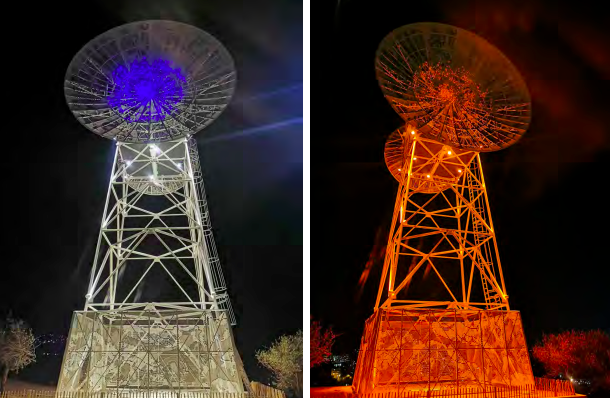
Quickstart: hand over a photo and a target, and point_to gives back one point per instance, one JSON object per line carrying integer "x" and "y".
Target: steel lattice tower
{"x": 442, "y": 317}
{"x": 157, "y": 315}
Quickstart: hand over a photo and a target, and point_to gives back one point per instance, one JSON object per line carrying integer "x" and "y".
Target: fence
{"x": 139, "y": 394}
{"x": 541, "y": 389}
{"x": 262, "y": 390}
{"x": 258, "y": 391}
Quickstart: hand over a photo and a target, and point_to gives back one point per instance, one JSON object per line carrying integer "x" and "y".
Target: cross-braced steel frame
{"x": 157, "y": 315}
{"x": 156, "y": 218}
{"x": 441, "y": 223}
{"x": 453, "y": 327}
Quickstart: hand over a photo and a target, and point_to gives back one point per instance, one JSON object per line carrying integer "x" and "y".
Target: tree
{"x": 16, "y": 349}
{"x": 577, "y": 355}
{"x": 285, "y": 360}
{"x": 321, "y": 342}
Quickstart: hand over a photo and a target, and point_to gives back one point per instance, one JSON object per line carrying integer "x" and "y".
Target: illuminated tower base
{"x": 151, "y": 350}
{"x": 404, "y": 350}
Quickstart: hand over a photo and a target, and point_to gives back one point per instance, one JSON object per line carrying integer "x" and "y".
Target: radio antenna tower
{"x": 157, "y": 315}
{"x": 442, "y": 318}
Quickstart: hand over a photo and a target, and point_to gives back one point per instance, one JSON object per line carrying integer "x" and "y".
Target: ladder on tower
{"x": 483, "y": 256}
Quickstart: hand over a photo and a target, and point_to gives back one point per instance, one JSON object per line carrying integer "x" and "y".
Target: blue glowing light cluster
{"x": 146, "y": 91}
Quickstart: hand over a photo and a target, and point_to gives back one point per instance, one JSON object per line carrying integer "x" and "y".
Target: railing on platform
{"x": 542, "y": 388}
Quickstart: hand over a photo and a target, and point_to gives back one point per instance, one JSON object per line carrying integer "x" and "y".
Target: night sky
{"x": 548, "y": 192}
{"x": 56, "y": 171}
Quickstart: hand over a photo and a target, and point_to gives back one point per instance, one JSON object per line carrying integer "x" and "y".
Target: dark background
{"x": 548, "y": 192}
{"x": 56, "y": 172}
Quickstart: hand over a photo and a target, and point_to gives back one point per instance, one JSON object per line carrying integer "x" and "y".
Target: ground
{"x": 327, "y": 390}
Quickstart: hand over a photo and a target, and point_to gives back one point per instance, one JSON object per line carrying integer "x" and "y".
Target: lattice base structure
{"x": 151, "y": 350}
{"x": 404, "y": 350}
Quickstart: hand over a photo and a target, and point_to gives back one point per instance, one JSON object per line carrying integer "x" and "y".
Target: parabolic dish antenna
{"x": 150, "y": 81}
{"x": 454, "y": 86}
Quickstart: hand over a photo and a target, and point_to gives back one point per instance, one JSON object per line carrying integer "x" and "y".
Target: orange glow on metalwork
{"x": 445, "y": 91}
{"x": 446, "y": 81}
{"x": 456, "y": 331}
{"x": 428, "y": 158}
{"x": 410, "y": 349}
{"x": 440, "y": 84}
{"x": 428, "y": 208}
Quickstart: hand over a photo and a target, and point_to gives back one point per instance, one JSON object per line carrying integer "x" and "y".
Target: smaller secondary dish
{"x": 150, "y": 81}
{"x": 454, "y": 86}
{"x": 154, "y": 169}
{"x": 435, "y": 166}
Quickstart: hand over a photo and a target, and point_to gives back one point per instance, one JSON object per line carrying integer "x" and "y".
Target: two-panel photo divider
{"x": 282, "y": 199}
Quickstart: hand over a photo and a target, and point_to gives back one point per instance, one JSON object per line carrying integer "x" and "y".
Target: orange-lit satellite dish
{"x": 454, "y": 86}
{"x": 435, "y": 167}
